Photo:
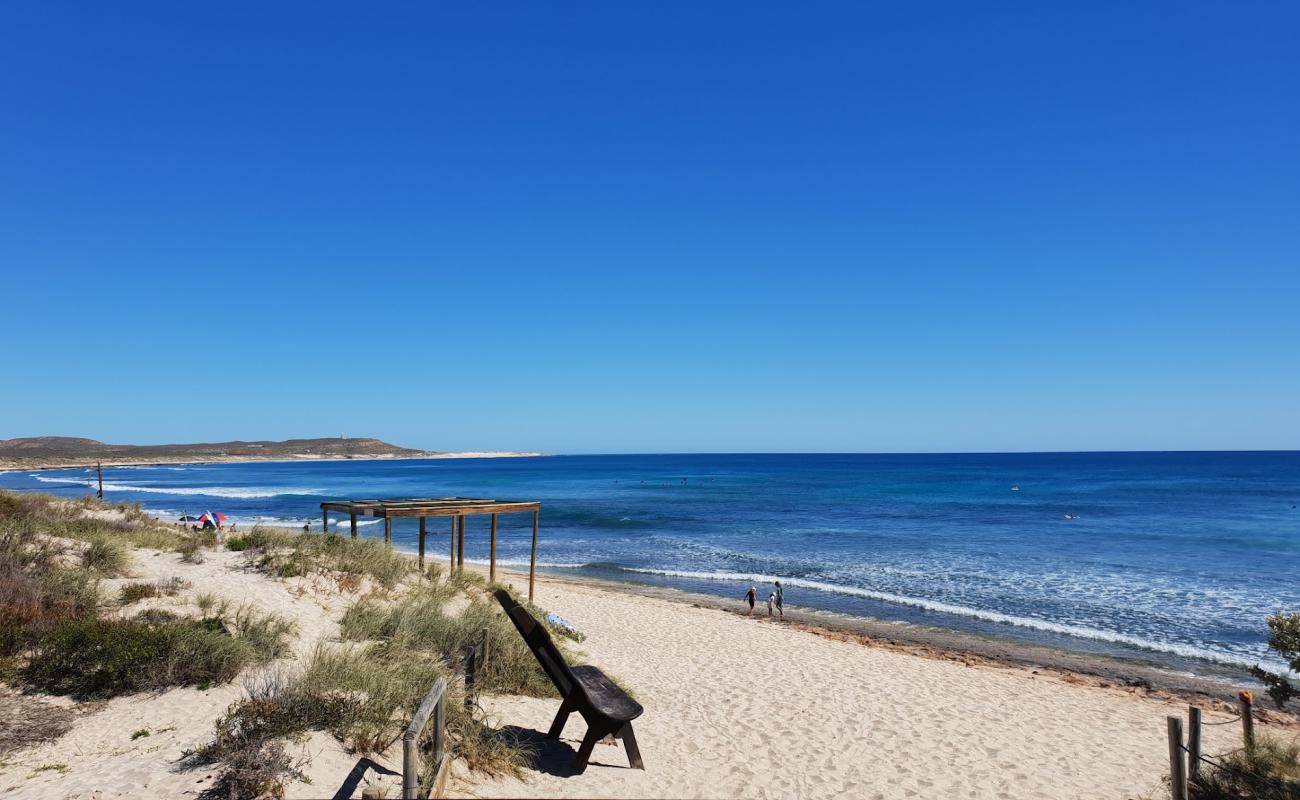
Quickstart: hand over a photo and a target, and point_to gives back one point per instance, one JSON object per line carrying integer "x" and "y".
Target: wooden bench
{"x": 607, "y": 709}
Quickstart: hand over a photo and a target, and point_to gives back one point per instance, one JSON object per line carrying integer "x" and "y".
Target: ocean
{"x": 1173, "y": 559}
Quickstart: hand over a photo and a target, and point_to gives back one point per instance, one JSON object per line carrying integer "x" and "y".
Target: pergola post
{"x": 460, "y": 543}
{"x": 532, "y": 559}
{"x": 492, "y": 553}
{"x": 353, "y": 519}
{"x": 325, "y": 520}
{"x": 388, "y": 530}
{"x": 451, "y": 567}
{"x": 421, "y": 544}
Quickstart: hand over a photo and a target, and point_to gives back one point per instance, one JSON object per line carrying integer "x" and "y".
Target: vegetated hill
{"x": 72, "y": 450}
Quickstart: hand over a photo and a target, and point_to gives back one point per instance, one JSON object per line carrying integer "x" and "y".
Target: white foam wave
{"x": 343, "y": 523}
{"x": 1080, "y": 631}
{"x": 229, "y": 492}
{"x": 523, "y": 562}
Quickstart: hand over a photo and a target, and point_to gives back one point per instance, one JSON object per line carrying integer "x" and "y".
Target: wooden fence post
{"x": 470, "y": 668}
{"x": 1177, "y": 775}
{"x": 99, "y": 468}
{"x": 1193, "y": 742}
{"x": 1247, "y": 718}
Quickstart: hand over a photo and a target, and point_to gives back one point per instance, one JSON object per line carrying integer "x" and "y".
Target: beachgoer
{"x": 306, "y": 527}
{"x": 771, "y": 604}
{"x": 750, "y": 597}
{"x": 779, "y": 594}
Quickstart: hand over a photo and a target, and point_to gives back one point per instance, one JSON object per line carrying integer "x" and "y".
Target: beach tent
{"x": 215, "y": 520}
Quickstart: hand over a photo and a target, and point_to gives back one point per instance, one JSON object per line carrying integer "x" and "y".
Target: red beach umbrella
{"x": 216, "y": 518}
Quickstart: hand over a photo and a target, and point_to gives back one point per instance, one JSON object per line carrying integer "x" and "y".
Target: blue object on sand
{"x": 561, "y": 622}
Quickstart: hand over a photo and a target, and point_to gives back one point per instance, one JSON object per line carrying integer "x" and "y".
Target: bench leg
{"x": 629, "y": 743}
{"x": 588, "y": 744}
{"x": 561, "y": 717}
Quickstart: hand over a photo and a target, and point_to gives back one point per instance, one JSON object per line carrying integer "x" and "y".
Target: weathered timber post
{"x": 1193, "y": 742}
{"x": 421, "y": 544}
{"x": 471, "y": 693}
{"x": 325, "y": 520}
{"x": 1177, "y": 775}
{"x": 353, "y": 519}
{"x": 388, "y": 530}
{"x": 99, "y": 468}
{"x": 492, "y": 555}
{"x": 1245, "y": 702}
{"x": 451, "y": 567}
{"x": 460, "y": 544}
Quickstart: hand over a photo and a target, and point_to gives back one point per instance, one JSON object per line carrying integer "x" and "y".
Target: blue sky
{"x": 612, "y": 227}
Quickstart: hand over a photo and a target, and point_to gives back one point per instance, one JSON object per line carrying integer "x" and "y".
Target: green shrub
{"x": 1284, "y": 637}
{"x": 94, "y": 658}
{"x": 191, "y": 550}
{"x": 36, "y": 591}
{"x": 106, "y": 557}
{"x": 267, "y": 634}
{"x": 1268, "y": 771}
{"x": 238, "y": 544}
{"x": 287, "y": 554}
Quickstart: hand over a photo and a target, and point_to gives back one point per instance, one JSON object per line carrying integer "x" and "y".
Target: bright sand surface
{"x": 735, "y": 707}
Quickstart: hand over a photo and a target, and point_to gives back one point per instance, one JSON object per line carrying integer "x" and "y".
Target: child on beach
{"x": 771, "y": 604}
{"x": 750, "y": 597}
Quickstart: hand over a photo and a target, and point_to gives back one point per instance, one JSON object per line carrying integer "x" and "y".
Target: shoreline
{"x": 945, "y": 644}
{"x": 17, "y": 466}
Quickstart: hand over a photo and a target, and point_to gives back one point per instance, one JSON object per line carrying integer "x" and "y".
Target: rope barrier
{"x": 1277, "y": 782}
{"x": 1224, "y": 722}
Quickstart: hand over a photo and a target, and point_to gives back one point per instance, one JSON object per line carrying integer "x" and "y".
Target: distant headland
{"x": 53, "y": 452}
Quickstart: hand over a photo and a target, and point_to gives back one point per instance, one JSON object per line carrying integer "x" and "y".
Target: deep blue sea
{"x": 1172, "y": 558}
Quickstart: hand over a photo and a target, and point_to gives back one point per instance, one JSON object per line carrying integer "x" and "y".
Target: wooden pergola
{"x": 455, "y": 507}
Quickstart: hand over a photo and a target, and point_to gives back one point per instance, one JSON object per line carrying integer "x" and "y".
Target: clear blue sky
{"x": 611, "y": 227}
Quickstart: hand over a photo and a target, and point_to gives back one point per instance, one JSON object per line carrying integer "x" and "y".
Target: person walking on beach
{"x": 750, "y": 597}
{"x": 771, "y": 604}
{"x": 779, "y": 595}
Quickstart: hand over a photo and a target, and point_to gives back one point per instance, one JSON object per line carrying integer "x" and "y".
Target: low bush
{"x": 1270, "y": 770}
{"x": 191, "y": 551}
{"x": 96, "y": 658}
{"x": 106, "y": 557}
{"x": 87, "y": 519}
{"x": 287, "y": 554}
{"x": 418, "y": 622}
{"x": 37, "y": 592}
{"x": 258, "y": 770}
{"x": 135, "y": 592}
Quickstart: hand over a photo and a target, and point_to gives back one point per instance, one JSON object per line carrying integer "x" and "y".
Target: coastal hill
{"x": 51, "y": 451}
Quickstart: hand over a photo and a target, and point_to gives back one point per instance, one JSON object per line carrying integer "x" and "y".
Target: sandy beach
{"x": 735, "y": 707}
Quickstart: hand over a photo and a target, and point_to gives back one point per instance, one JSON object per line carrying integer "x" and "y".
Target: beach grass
{"x": 287, "y": 554}
{"x": 1269, "y": 770}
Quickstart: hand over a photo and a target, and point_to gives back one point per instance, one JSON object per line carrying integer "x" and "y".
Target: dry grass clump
{"x": 418, "y": 622}
{"x": 87, "y": 519}
{"x": 135, "y": 592}
{"x": 287, "y": 554}
{"x": 1270, "y": 770}
{"x": 106, "y": 557}
{"x": 25, "y": 721}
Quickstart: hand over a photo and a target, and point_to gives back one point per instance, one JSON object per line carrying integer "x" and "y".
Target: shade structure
{"x": 457, "y": 508}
